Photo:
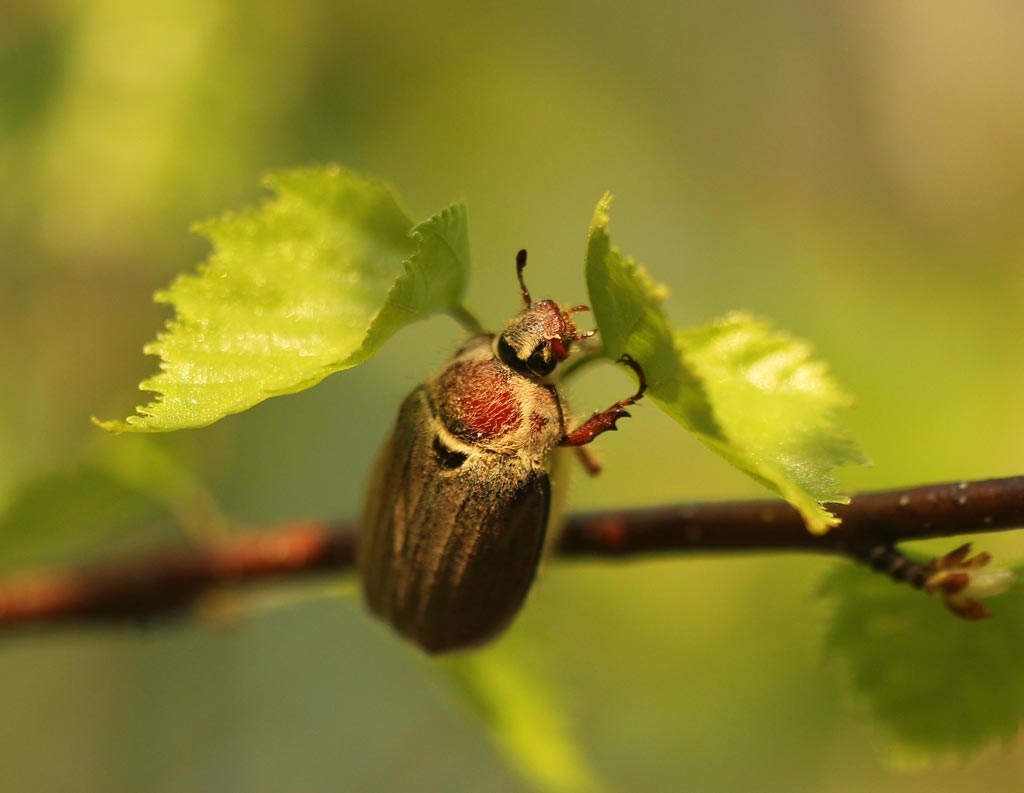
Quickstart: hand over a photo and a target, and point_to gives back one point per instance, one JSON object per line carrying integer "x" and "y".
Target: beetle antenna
{"x": 520, "y": 266}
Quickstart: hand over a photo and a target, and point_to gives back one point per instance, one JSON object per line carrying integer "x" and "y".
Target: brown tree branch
{"x": 164, "y": 583}
{"x": 870, "y": 519}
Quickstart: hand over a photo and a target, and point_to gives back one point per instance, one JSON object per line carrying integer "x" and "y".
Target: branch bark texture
{"x": 165, "y": 583}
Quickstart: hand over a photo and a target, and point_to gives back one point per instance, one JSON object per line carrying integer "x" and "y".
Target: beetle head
{"x": 538, "y": 338}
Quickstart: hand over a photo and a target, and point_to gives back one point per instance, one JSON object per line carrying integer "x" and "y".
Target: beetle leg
{"x": 604, "y": 421}
{"x": 587, "y": 460}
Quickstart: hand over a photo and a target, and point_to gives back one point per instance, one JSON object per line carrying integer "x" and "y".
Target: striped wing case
{"x": 450, "y": 541}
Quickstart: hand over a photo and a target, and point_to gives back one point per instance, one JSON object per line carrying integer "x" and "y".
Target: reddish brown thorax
{"x": 486, "y": 404}
{"x": 480, "y": 401}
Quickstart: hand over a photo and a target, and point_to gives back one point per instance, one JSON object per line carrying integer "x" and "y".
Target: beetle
{"x": 458, "y": 504}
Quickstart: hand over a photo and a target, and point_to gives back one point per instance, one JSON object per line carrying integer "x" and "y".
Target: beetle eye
{"x": 538, "y": 363}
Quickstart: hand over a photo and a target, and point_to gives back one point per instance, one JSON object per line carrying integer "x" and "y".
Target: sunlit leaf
{"x": 751, "y": 394}
{"x": 940, "y": 685}
{"x": 312, "y": 282}
{"x": 776, "y": 406}
{"x": 524, "y": 718}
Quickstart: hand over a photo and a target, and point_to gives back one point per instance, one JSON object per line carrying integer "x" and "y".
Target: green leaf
{"x": 940, "y": 685}
{"x": 59, "y": 516}
{"x": 122, "y": 496}
{"x": 525, "y": 719}
{"x": 776, "y": 406}
{"x": 627, "y": 306}
{"x": 312, "y": 282}
{"x": 753, "y": 395}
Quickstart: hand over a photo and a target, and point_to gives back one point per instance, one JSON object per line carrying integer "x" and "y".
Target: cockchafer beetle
{"x": 454, "y": 522}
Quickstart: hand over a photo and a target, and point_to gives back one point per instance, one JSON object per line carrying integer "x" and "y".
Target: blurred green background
{"x": 853, "y": 171}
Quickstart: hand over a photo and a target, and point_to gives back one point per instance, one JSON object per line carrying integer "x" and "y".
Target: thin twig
{"x": 164, "y": 583}
{"x": 870, "y": 519}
